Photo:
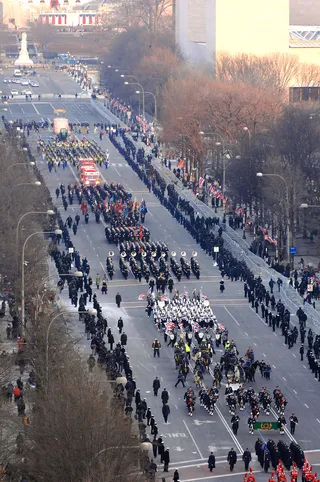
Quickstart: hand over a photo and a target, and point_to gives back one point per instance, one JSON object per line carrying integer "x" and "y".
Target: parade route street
{"x": 190, "y": 439}
{"x": 187, "y": 439}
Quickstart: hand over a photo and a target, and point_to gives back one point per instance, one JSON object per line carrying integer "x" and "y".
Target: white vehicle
{"x": 24, "y": 82}
{"x": 14, "y": 92}
{"x": 17, "y": 73}
{"x": 6, "y": 80}
{"x": 33, "y": 83}
{"x": 26, "y": 92}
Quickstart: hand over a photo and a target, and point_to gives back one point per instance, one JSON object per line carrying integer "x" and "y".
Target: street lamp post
{"x": 90, "y": 312}
{"x": 32, "y": 164}
{"x": 129, "y": 75}
{"x": 36, "y": 183}
{"x": 306, "y": 206}
{"x": 223, "y": 144}
{"x": 57, "y": 231}
{"x": 77, "y": 274}
{"x": 142, "y": 89}
{"x": 262, "y": 174}
{"x": 155, "y": 103}
{"x": 145, "y": 446}
{"x": 49, "y": 212}
{"x": 246, "y": 129}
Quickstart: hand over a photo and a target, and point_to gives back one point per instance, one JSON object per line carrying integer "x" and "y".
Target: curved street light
{"x": 142, "y": 89}
{"x": 246, "y": 129}
{"x": 223, "y": 144}
{"x": 49, "y": 212}
{"x": 306, "y": 206}
{"x": 90, "y": 312}
{"x": 58, "y": 232}
{"x": 155, "y": 102}
{"x": 262, "y": 174}
{"x": 36, "y": 183}
{"x": 32, "y": 163}
{"x": 77, "y": 274}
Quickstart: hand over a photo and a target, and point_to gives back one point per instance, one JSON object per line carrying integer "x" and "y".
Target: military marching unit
{"x": 123, "y": 217}
{"x": 69, "y": 151}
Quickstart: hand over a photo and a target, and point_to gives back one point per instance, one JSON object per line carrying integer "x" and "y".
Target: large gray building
{"x": 304, "y": 12}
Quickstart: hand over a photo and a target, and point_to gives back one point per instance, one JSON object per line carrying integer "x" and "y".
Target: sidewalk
{"x": 12, "y": 423}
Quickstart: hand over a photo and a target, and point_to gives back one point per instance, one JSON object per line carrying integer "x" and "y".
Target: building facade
{"x": 206, "y": 28}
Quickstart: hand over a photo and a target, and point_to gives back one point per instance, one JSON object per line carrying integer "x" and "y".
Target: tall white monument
{"x": 23, "y": 59}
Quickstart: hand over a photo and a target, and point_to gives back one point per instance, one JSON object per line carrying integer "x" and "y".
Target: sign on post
{"x": 293, "y": 250}
{"x": 266, "y": 426}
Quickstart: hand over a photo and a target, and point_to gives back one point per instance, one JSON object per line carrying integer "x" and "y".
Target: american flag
{"x": 170, "y": 326}
{"x": 201, "y": 182}
{"x": 273, "y": 241}
{"x": 196, "y": 327}
{"x": 239, "y": 211}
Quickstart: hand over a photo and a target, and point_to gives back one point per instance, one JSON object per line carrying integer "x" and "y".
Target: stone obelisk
{"x": 23, "y": 59}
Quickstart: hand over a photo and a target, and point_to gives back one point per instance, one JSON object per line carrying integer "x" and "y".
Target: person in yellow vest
{"x": 188, "y": 350}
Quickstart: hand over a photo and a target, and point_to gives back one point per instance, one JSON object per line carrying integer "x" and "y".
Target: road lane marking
{"x": 102, "y": 266}
{"x": 215, "y": 476}
{"x": 273, "y": 366}
{"x": 294, "y": 355}
{"x": 232, "y": 316}
{"x": 295, "y": 392}
{"x": 318, "y": 420}
{"x": 36, "y": 110}
{"x": 114, "y": 167}
{"x": 306, "y": 405}
{"x": 192, "y": 438}
{"x": 284, "y": 379}
{"x": 223, "y": 420}
{"x": 304, "y": 366}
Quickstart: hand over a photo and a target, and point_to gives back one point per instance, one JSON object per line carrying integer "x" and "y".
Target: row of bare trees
{"x": 252, "y": 130}
{"x": 78, "y": 430}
